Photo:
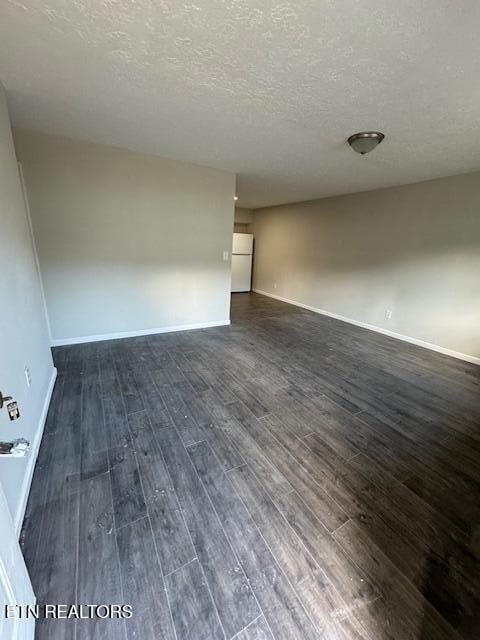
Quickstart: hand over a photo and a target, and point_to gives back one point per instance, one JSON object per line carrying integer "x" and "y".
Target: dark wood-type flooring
{"x": 289, "y": 477}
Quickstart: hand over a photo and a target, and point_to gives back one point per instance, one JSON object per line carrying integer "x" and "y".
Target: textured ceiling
{"x": 267, "y": 89}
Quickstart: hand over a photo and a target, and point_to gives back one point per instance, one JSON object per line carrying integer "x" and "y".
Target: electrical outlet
{"x": 225, "y": 256}
{"x": 388, "y": 314}
{"x": 28, "y": 377}
{"x": 274, "y": 285}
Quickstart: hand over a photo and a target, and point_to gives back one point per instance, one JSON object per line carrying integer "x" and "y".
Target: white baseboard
{"x": 58, "y": 342}
{"x": 372, "y": 327}
{"x": 32, "y": 456}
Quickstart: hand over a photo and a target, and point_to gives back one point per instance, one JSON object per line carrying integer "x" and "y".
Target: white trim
{"x": 34, "y": 246}
{"x": 372, "y": 327}
{"x": 58, "y": 342}
{"x": 32, "y": 456}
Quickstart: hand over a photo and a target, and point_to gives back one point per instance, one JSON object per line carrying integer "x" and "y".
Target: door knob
{"x": 4, "y": 399}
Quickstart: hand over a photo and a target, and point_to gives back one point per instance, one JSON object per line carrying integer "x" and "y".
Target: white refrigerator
{"x": 242, "y": 250}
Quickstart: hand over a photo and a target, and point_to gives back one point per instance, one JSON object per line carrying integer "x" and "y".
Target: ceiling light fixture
{"x": 365, "y": 141}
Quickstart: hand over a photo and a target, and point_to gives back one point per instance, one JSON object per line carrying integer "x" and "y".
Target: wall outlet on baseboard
{"x": 388, "y": 314}
{"x": 28, "y": 377}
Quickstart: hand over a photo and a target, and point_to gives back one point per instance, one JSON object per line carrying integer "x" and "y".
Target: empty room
{"x": 240, "y": 320}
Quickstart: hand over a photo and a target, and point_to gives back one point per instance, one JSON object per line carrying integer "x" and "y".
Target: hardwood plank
{"x": 194, "y": 378}
{"x": 398, "y": 595}
{"x": 414, "y": 533}
{"x": 348, "y": 436}
{"x": 172, "y": 539}
{"x": 193, "y": 611}
{"x": 150, "y": 396}
{"x": 126, "y": 378}
{"x": 54, "y": 575}
{"x": 230, "y": 590}
{"x": 202, "y": 410}
{"x": 345, "y": 576}
{"x": 376, "y": 473}
{"x": 327, "y": 510}
{"x": 243, "y": 392}
{"x": 94, "y": 459}
{"x": 127, "y": 493}
{"x": 214, "y": 381}
{"x": 187, "y": 427}
{"x": 280, "y": 604}
{"x": 256, "y": 630}
{"x": 143, "y": 583}
{"x": 116, "y": 425}
{"x": 321, "y": 601}
{"x": 253, "y": 452}
{"x": 99, "y": 579}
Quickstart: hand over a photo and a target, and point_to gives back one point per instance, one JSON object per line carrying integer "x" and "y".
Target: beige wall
{"x": 127, "y": 242}
{"x": 414, "y": 250}
{"x": 243, "y": 216}
{"x": 23, "y": 327}
{"x": 243, "y": 219}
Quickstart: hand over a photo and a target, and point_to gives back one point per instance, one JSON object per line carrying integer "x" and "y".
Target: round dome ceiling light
{"x": 365, "y": 141}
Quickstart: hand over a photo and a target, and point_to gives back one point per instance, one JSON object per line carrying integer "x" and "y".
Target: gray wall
{"x": 126, "y": 241}
{"x": 414, "y": 250}
{"x": 23, "y": 328}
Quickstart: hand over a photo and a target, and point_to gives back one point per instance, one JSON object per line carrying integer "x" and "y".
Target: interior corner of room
{"x": 402, "y": 260}
{"x": 99, "y": 242}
